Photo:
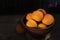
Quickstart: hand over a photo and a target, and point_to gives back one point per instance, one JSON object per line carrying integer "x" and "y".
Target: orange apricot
{"x": 37, "y": 16}
{"x": 28, "y": 17}
{"x": 31, "y": 23}
{"x": 48, "y": 19}
{"x": 42, "y": 26}
{"x": 42, "y": 10}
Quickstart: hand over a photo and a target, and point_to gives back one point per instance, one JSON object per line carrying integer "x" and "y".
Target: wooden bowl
{"x": 35, "y": 30}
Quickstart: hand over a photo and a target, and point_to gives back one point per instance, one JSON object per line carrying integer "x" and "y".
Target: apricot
{"x": 37, "y": 16}
{"x": 48, "y": 19}
{"x": 31, "y": 23}
{"x": 42, "y": 26}
{"x": 19, "y": 28}
{"x": 43, "y": 11}
{"x": 28, "y": 17}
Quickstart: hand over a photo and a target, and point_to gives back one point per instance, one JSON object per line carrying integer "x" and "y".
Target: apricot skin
{"x": 42, "y": 26}
{"x": 28, "y": 17}
{"x": 37, "y": 16}
{"x": 48, "y": 19}
{"x": 42, "y": 10}
{"x": 31, "y": 23}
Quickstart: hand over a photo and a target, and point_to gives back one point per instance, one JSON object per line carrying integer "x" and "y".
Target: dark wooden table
{"x": 8, "y": 24}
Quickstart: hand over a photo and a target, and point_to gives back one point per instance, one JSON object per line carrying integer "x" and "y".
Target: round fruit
{"x": 37, "y": 16}
{"x": 48, "y": 19}
{"x": 42, "y": 10}
{"x": 42, "y": 26}
{"x": 19, "y": 28}
{"x": 28, "y": 17}
{"x": 31, "y": 23}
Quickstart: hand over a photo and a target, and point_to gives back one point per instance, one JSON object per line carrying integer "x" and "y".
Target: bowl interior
{"x": 24, "y": 23}
{"x": 34, "y": 30}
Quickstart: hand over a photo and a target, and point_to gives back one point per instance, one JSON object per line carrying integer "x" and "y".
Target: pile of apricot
{"x": 39, "y": 18}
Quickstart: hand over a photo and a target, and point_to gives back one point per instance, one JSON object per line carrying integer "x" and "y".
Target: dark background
{"x": 11, "y": 10}
{"x": 23, "y": 6}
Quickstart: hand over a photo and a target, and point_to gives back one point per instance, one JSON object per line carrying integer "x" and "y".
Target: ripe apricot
{"x": 31, "y": 23}
{"x": 43, "y": 11}
{"x": 42, "y": 26}
{"x": 28, "y": 17}
{"x": 37, "y": 16}
{"x": 48, "y": 19}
